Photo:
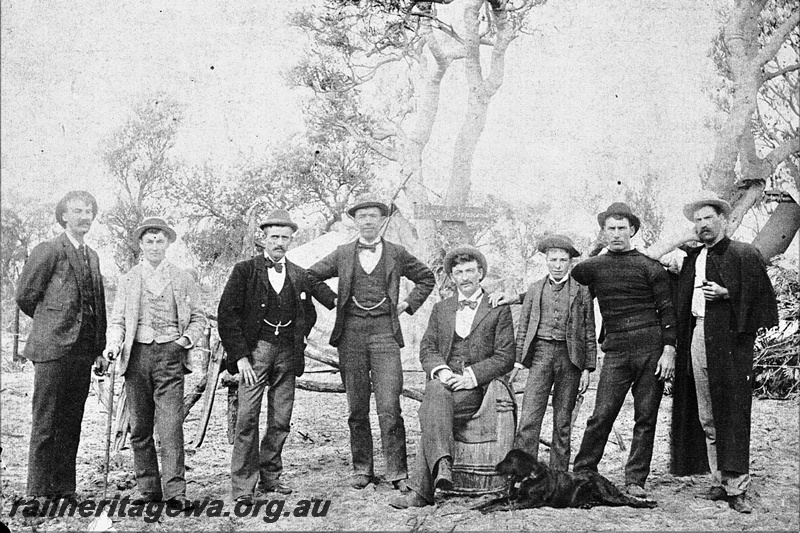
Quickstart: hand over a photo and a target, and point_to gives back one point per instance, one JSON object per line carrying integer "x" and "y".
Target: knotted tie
{"x": 472, "y": 304}
{"x": 277, "y": 266}
{"x": 371, "y": 247}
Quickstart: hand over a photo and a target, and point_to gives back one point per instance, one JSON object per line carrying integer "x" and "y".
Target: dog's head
{"x": 519, "y": 465}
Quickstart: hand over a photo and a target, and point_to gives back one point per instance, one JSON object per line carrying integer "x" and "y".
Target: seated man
{"x": 467, "y": 345}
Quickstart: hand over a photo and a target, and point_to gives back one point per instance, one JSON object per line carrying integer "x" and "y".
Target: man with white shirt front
{"x": 368, "y": 336}
{"x": 467, "y": 344}
{"x": 156, "y": 318}
{"x": 265, "y": 314}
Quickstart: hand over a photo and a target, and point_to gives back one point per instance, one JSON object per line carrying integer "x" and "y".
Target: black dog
{"x": 533, "y": 484}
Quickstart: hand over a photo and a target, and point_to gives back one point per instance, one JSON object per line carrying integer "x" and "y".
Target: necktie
{"x": 85, "y": 259}
{"x": 277, "y": 266}
{"x": 472, "y": 304}
{"x": 371, "y": 247}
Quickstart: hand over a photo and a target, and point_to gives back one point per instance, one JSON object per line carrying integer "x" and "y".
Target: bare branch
{"x": 376, "y": 146}
{"x": 783, "y": 151}
{"x": 778, "y": 37}
{"x": 770, "y": 75}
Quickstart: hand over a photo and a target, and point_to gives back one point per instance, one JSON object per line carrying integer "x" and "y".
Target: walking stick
{"x": 103, "y": 522}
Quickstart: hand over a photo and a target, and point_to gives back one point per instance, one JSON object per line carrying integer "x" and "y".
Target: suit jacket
{"x": 491, "y": 340}
{"x": 49, "y": 292}
{"x": 125, "y": 314}
{"x": 243, "y": 307}
{"x": 399, "y": 263}
{"x": 581, "y": 344}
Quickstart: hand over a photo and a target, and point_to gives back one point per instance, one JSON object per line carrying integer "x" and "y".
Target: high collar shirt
{"x": 155, "y": 279}
{"x": 72, "y": 239}
{"x": 368, "y": 258}
{"x": 465, "y": 317}
{"x": 276, "y": 279}
{"x": 698, "y": 298}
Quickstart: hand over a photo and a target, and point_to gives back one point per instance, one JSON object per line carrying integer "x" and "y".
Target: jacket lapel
{"x": 448, "y": 323}
{"x": 72, "y": 256}
{"x": 261, "y": 270}
{"x": 389, "y": 253}
{"x": 573, "y": 292}
{"x": 346, "y": 273}
{"x": 481, "y": 312}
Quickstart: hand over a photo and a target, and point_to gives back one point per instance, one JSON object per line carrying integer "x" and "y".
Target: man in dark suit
{"x": 367, "y": 334}
{"x": 467, "y": 345}
{"x": 265, "y": 314}
{"x": 556, "y": 340}
{"x": 62, "y": 290}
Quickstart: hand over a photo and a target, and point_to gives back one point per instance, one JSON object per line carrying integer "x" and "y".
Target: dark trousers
{"x": 272, "y": 364}
{"x": 154, "y": 385}
{"x": 370, "y": 362}
{"x": 630, "y": 362}
{"x": 551, "y": 368}
{"x": 60, "y": 388}
{"x": 441, "y": 412}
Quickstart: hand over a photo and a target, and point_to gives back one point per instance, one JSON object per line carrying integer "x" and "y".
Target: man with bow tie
{"x": 265, "y": 314}
{"x": 61, "y": 289}
{"x": 156, "y": 319}
{"x": 368, "y": 337}
{"x": 467, "y": 344}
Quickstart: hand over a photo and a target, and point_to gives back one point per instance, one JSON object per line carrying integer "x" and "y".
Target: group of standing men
{"x": 266, "y": 313}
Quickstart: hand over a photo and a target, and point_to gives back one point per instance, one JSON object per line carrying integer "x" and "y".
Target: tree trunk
{"x": 777, "y": 234}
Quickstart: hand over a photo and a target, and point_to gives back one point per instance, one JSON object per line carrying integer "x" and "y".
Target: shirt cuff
{"x": 436, "y": 369}
{"x": 470, "y": 375}
{"x": 188, "y": 346}
{"x": 519, "y": 366}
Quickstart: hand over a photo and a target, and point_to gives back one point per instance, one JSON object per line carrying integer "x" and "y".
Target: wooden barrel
{"x": 474, "y": 461}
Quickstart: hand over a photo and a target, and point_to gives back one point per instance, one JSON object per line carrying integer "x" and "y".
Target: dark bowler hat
{"x": 369, "y": 203}
{"x": 558, "y": 241}
{"x": 465, "y": 250}
{"x": 279, "y": 217}
{"x": 619, "y": 210}
{"x": 154, "y": 223}
{"x": 706, "y": 198}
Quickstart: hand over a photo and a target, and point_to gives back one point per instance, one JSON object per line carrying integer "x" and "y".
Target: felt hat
{"x": 468, "y": 250}
{"x": 706, "y": 198}
{"x": 558, "y": 241}
{"x": 279, "y": 217}
{"x": 619, "y": 210}
{"x": 154, "y": 223}
{"x": 369, "y": 203}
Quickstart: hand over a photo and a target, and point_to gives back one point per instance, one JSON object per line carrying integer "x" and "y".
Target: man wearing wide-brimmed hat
{"x": 368, "y": 337}
{"x": 265, "y": 313}
{"x": 61, "y": 289}
{"x": 639, "y": 343}
{"x": 556, "y": 340}
{"x": 467, "y": 344}
{"x": 155, "y": 320}
{"x": 724, "y": 296}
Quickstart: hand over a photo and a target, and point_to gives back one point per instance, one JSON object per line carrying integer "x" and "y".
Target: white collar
{"x": 475, "y": 295}
{"x": 377, "y": 241}
{"x": 72, "y": 239}
{"x": 281, "y": 260}
{"x": 563, "y": 280}
{"x": 149, "y": 269}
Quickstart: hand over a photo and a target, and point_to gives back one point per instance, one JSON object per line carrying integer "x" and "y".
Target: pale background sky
{"x": 601, "y": 90}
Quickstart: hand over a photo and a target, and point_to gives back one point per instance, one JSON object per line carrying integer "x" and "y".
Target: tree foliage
{"x": 138, "y": 157}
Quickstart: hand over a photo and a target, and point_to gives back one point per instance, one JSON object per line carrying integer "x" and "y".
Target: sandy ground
{"x": 317, "y": 466}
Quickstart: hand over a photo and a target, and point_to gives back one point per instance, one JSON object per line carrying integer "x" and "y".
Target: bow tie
{"x": 472, "y": 304}
{"x": 277, "y": 266}
{"x": 371, "y": 247}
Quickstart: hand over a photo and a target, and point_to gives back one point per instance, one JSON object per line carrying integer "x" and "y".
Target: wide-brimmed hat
{"x": 279, "y": 217}
{"x": 369, "y": 203}
{"x": 467, "y": 250}
{"x": 706, "y": 198}
{"x": 558, "y": 241}
{"x": 619, "y": 210}
{"x": 155, "y": 223}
